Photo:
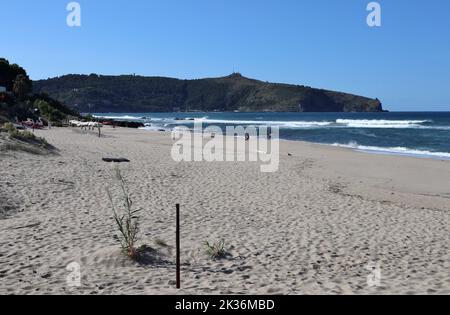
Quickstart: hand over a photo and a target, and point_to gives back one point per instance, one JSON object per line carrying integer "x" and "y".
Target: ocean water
{"x": 424, "y": 134}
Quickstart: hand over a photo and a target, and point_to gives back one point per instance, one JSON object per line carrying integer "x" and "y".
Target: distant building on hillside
{"x": 2, "y": 89}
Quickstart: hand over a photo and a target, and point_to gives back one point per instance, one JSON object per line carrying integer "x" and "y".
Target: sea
{"x": 420, "y": 134}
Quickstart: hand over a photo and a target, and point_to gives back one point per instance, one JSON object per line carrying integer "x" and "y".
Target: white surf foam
{"x": 339, "y": 123}
{"x": 283, "y": 124}
{"x": 373, "y": 123}
{"x": 395, "y": 150}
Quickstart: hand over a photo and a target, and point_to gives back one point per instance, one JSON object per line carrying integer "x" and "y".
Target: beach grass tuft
{"x": 24, "y": 136}
{"x": 126, "y": 219}
{"x": 216, "y": 250}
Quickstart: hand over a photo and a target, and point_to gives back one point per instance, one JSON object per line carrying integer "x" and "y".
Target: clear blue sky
{"x": 320, "y": 43}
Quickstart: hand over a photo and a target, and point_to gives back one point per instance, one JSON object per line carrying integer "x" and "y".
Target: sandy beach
{"x": 314, "y": 227}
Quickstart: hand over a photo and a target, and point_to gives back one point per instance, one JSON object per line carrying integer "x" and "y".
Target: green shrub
{"x": 9, "y": 127}
{"x": 25, "y": 136}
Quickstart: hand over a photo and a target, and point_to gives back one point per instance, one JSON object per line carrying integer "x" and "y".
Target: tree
{"x": 47, "y": 111}
{"x": 22, "y": 86}
{"x": 9, "y": 72}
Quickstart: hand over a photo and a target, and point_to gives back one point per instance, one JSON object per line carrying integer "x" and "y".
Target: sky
{"x": 319, "y": 43}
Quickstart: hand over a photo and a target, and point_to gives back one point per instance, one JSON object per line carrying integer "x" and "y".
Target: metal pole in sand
{"x": 178, "y": 248}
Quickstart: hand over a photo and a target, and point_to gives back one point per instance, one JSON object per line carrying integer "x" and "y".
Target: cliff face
{"x": 96, "y": 93}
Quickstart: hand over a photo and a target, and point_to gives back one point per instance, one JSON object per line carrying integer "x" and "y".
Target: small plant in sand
{"x": 126, "y": 219}
{"x": 216, "y": 250}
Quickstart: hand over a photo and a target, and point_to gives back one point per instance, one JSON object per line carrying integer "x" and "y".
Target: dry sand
{"x": 313, "y": 227}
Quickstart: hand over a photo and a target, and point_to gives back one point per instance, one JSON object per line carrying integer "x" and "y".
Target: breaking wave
{"x": 395, "y": 150}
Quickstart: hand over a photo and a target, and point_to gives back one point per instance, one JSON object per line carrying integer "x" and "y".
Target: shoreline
{"x": 440, "y": 156}
{"x": 427, "y": 147}
{"x": 384, "y": 151}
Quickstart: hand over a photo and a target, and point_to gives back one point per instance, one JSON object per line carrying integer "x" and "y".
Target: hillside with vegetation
{"x": 129, "y": 93}
{"x": 18, "y": 103}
